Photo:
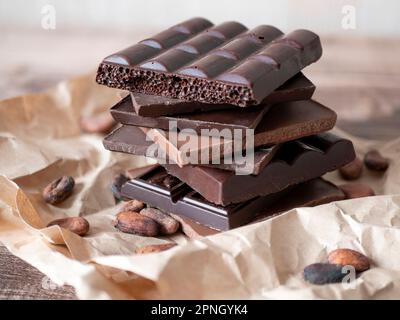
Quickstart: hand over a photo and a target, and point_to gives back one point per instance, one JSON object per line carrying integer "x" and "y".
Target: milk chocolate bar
{"x": 223, "y": 64}
{"x": 296, "y": 88}
{"x": 295, "y": 162}
{"x": 308, "y": 194}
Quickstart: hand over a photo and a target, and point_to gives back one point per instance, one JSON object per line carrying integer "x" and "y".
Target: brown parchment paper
{"x": 40, "y": 140}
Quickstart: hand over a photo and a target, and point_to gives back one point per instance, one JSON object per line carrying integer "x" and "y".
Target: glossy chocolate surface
{"x": 295, "y": 162}
{"x": 227, "y": 63}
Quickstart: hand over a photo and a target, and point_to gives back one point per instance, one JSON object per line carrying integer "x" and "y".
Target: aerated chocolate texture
{"x": 296, "y": 88}
{"x": 197, "y": 61}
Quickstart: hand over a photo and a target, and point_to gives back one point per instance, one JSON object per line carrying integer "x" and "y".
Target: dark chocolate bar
{"x": 223, "y": 64}
{"x": 308, "y": 194}
{"x": 262, "y": 156}
{"x": 128, "y": 139}
{"x": 229, "y": 119}
{"x": 296, "y": 88}
{"x": 155, "y": 189}
{"x": 295, "y": 162}
{"x": 284, "y": 122}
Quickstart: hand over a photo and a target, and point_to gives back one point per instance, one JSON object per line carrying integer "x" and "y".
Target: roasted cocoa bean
{"x": 323, "y": 273}
{"x": 132, "y": 205}
{"x": 135, "y": 223}
{"x": 155, "y": 248}
{"x": 77, "y": 225}
{"x": 58, "y": 190}
{"x": 356, "y": 190}
{"x": 352, "y": 170}
{"x": 99, "y": 123}
{"x": 116, "y": 185}
{"x": 375, "y": 161}
{"x": 349, "y": 257}
{"x": 168, "y": 224}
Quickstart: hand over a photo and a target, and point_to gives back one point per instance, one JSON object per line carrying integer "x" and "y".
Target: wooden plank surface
{"x": 358, "y": 78}
{"x": 19, "y": 280}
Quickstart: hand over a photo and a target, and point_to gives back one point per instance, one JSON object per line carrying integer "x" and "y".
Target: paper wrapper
{"x": 40, "y": 140}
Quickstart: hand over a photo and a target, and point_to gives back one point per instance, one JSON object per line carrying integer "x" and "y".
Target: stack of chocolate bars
{"x": 228, "y": 91}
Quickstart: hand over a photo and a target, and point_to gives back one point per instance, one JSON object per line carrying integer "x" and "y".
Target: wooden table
{"x": 359, "y": 78}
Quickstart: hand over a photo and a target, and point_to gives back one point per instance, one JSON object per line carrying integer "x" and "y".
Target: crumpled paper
{"x": 40, "y": 140}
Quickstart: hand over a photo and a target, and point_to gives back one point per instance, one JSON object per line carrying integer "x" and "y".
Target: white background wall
{"x": 374, "y": 17}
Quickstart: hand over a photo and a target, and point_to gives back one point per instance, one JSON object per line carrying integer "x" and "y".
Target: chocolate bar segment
{"x": 296, "y": 88}
{"x": 237, "y": 67}
{"x": 230, "y": 119}
{"x": 262, "y": 157}
{"x": 295, "y": 162}
{"x": 128, "y": 139}
{"x": 308, "y": 194}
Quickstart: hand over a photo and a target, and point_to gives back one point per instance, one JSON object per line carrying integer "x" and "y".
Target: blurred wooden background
{"x": 357, "y": 77}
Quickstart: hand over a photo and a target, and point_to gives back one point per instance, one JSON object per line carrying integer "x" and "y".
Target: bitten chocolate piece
{"x": 181, "y": 201}
{"x": 223, "y": 64}
{"x": 308, "y": 194}
{"x": 296, "y": 88}
{"x": 295, "y": 162}
{"x": 230, "y": 119}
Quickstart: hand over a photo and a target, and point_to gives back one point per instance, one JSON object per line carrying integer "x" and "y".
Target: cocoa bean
{"x": 116, "y": 185}
{"x": 375, "y": 161}
{"x": 58, "y": 190}
{"x": 352, "y": 170}
{"x": 135, "y": 223}
{"x": 349, "y": 257}
{"x": 356, "y": 190}
{"x": 99, "y": 123}
{"x": 77, "y": 225}
{"x": 168, "y": 224}
{"x": 323, "y": 273}
{"x": 132, "y": 205}
{"x": 155, "y": 248}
